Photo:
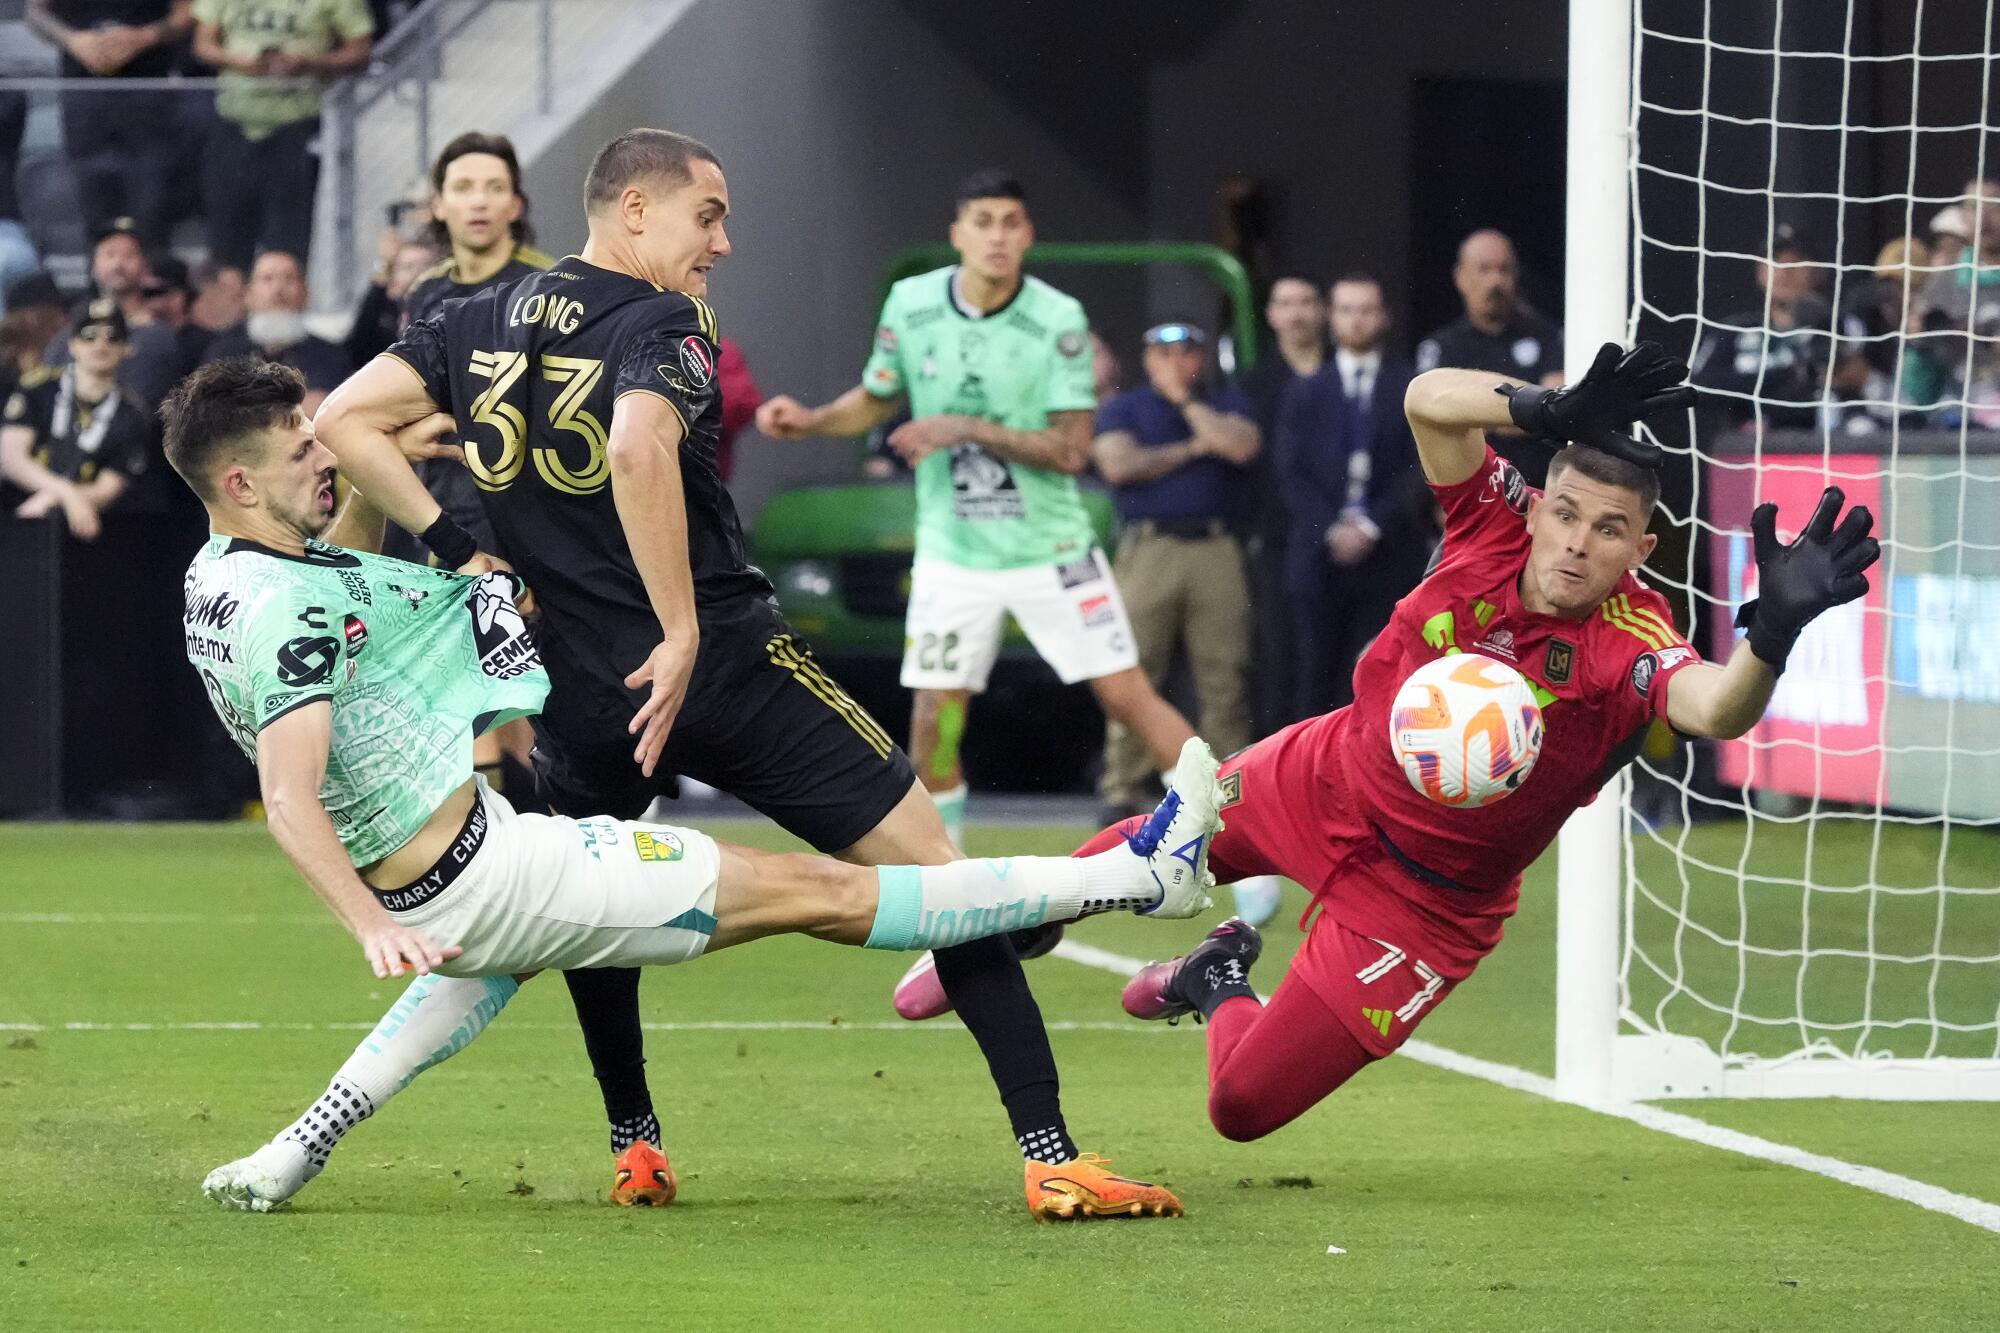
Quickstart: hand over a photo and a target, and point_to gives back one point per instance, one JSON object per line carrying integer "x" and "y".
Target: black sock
{"x": 1218, "y": 981}
{"x": 607, "y": 1008}
{"x": 986, "y": 986}
{"x": 625, "y": 1133}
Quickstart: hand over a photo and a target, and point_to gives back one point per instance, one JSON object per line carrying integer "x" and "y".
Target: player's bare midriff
{"x": 408, "y": 862}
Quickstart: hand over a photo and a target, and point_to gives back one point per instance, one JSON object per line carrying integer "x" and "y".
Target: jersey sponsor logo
{"x": 1560, "y": 661}
{"x": 1508, "y": 486}
{"x": 658, "y": 845}
{"x": 1673, "y": 657}
{"x": 201, "y": 648}
{"x": 308, "y": 660}
{"x": 1076, "y": 573}
{"x": 697, "y": 361}
{"x": 1097, "y": 611}
{"x": 357, "y": 587}
{"x": 1643, "y": 670}
{"x": 882, "y": 376}
{"x": 355, "y": 630}
{"x": 1026, "y": 324}
{"x": 983, "y": 489}
{"x": 885, "y": 339}
{"x": 499, "y": 634}
{"x": 1071, "y": 344}
{"x": 273, "y": 702}
{"x": 211, "y": 610}
{"x": 1526, "y": 351}
{"x": 930, "y": 314}
{"x": 1499, "y": 642}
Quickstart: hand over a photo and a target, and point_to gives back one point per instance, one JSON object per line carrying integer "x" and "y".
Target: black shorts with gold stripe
{"x": 761, "y": 721}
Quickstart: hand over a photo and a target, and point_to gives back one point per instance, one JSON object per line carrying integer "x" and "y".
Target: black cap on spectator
{"x": 117, "y": 227}
{"x": 1161, "y": 335}
{"x": 101, "y": 313}
{"x": 168, "y": 275}
{"x": 1789, "y": 242}
{"x": 35, "y": 289}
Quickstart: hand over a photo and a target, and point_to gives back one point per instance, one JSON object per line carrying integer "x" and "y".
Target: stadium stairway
{"x": 463, "y": 65}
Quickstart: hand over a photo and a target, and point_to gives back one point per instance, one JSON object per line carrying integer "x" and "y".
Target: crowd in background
{"x": 1267, "y": 521}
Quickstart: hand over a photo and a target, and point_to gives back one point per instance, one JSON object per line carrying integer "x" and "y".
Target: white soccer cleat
{"x": 1257, "y": 898}
{"x": 1175, "y": 840}
{"x": 262, "y": 1181}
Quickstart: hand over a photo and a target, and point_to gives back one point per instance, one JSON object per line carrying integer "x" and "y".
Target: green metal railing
{"x": 1213, "y": 262}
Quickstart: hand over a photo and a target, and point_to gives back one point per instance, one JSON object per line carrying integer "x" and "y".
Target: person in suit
{"x": 1345, "y": 466}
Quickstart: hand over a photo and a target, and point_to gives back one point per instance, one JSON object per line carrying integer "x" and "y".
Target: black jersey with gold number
{"x": 532, "y": 372}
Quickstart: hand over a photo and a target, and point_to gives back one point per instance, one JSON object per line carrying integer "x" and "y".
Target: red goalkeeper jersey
{"x": 1600, "y": 680}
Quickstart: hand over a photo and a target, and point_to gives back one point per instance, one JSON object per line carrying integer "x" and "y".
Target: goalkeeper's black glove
{"x": 1818, "y": 571}
{"x": 1620, "y": 387}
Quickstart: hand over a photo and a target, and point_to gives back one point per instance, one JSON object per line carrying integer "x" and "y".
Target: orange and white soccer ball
{"x": 1466, "y": 729}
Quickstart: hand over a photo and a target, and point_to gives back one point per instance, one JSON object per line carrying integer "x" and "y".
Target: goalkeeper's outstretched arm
{"x": 1450, "y": 412}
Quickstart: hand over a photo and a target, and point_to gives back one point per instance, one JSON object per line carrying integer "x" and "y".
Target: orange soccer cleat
{"x": 643, "y": 1178}
{"x": 1085, "y": 1187}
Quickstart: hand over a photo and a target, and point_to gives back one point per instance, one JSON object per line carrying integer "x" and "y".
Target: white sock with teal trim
{"x": 951, "y": 808}
{"x": 931, "y": 907}
{"x": 435, "y": 1019}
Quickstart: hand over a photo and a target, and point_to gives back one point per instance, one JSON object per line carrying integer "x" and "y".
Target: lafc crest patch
{"x": 1232, "y": 788}
{"x": 1560, "y": 662}
{"x": 657, "y": 846}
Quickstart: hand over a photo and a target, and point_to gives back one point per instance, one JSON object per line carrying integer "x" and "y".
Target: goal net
{"x": 1813, "y": 190}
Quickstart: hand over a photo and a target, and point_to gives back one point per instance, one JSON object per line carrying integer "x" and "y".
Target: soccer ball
{"x": 1466, "y": 729}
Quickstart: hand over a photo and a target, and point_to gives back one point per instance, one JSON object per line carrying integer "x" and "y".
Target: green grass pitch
{"x": 854, "y": 1174}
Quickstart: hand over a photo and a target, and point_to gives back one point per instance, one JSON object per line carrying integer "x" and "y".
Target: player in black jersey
{"x": 586, "y": 397}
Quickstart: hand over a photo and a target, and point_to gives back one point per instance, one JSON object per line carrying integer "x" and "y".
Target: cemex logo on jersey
{"x": 498, "y": 632}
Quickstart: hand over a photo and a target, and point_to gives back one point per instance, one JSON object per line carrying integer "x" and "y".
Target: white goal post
{"x": 1778, "y": 940}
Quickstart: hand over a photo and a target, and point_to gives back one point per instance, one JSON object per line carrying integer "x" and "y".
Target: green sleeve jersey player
{"x": 356, "y": 683}
{"x": 996, "y": 369}
{"x": 1018, "y": 366}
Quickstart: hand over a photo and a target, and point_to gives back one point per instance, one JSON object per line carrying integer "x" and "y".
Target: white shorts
{"x": 1071, "y": 612}
{"x": 542, "y": 891}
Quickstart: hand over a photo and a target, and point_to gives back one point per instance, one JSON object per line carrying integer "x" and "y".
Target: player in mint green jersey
{"x": 996, "y": 368}
{"x": 357, "y": 684}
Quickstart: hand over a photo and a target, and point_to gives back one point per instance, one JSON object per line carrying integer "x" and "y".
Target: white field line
{"x": 722, "y": 1025}
{"x": 1964, "y": 1207}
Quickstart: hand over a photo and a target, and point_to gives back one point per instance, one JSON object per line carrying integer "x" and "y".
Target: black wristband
{"x": 1527, "y": 404}
{"x": 1770, "y": 644}
{"x": 451, "y": 544}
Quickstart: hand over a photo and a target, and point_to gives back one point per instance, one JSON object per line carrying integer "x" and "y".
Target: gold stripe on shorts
{"x": 784, "y": 653}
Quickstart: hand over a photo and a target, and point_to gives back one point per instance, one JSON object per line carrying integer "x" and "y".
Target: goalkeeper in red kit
{"x": 1409, "y": 895}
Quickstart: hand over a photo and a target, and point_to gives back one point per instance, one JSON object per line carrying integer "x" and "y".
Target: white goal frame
{"x": 1596, "y": 1063}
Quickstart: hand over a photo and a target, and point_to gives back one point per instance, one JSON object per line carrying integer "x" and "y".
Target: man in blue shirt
{"x": 1175, "y": 452}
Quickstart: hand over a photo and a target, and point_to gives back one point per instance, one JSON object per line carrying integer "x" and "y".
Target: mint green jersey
{"x": 1015, "y": 366}
{"x": 416, "y": 661}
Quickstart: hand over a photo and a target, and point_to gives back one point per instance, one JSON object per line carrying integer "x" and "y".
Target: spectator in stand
{"x": 1346, "y": 464}
{"x": 218, "y": 297}
{"x": 273, "y": 59}
{"x": 1296, "y": 315}
{"x": 1498, "y": 332}
{"x": 1904, "y": 377}
{"x": 119, "y": 141}
{"x": 275, "y": 329}
{"x": 18, "y": 257}
{"x": 72, "y": 439}
{"x": 379, "y": 321}
{"x": 1295, "y": 312}
{"x": 35, "y": 314}
{"x": 1173, "y": 451}
{"x": 170, "y": 301}
{"x": 1950, "y": 231}
{"x": 1770, "y": 364}
{"x": 120, "y": 272}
